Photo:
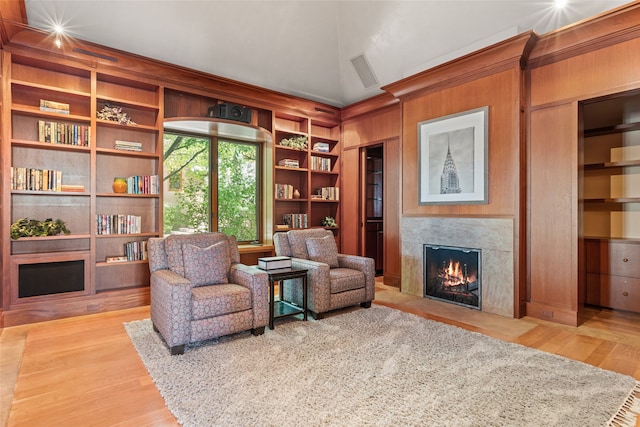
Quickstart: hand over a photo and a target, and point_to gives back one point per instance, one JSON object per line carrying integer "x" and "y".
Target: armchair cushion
{"x": 298, "y": 240}
{"x": 323, "y": 250}
{"x": 346, "y": 279}
{"x": 175, "y": 242}
{"x": 218, "y": 300}
{"x": 206, "y": 266}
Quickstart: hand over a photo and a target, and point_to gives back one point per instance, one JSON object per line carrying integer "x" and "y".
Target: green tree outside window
{"x": 234, "y": 207}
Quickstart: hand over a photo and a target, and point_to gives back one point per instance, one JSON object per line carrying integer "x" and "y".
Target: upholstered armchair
{"x": 334, "y": 280}
{"x": 200, "y": 290}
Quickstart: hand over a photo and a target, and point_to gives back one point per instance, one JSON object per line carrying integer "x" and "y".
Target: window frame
{"x": 213, "y": 179}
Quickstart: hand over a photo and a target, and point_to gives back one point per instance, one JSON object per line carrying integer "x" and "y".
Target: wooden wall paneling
{"x": 5, "y": 165}
{"x": 600, "y": 72}
{"x": 501, "y": 92}
{"x": 553, "y": 214}
{"x": 351, "y": 214}
{"x": 361, "y": 128}
{"x": 372, "y": 127}
{"x": 392, "y": 211}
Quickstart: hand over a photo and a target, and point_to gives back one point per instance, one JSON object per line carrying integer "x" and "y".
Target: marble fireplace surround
{"x": 493, "y": 235}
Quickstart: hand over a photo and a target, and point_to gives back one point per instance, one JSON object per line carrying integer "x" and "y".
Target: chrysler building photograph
{"x": 451, "y": 162}
{"x": 452, "y": 153}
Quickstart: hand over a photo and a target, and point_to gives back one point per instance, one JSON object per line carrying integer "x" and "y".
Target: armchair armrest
{"x": 171, "y": 306}
{"x": 257, "y": 281}
{"x": 364, "y": 264}
{"x": 318, "y": 283}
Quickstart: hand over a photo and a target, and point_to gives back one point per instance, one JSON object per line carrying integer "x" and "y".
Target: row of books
{"x": 54, "y": 106}
{"x": 323, "y": 147}
{"x": 32, "y": 179}
{"x": 289, "y": 163}
{"x": 127, "y": 145}
{"x": 118, "y": 224}
{"x": 284, "y": 191}
{"x": 329, "y": 193}
{"x": 295, "y": 220}
{"x": 64, "y": 133}
{"x": 143, "y": 184}
{"x": 133, "y": 251}
{"x": 320, "y": 163}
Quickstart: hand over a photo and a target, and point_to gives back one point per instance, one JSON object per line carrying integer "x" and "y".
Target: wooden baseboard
{"x": 552, "y": 313}
{"x": 392, "y": 280}
{"x": 24, "y": 313}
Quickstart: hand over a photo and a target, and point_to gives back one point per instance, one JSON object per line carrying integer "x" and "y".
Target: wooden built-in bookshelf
{"x": 88, "y": 165}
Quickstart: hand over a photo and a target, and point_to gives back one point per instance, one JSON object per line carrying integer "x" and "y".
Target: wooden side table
{"x": 281, "y": 308}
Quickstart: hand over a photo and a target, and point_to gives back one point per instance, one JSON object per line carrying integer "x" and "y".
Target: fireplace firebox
{"x": 453, "y": 274}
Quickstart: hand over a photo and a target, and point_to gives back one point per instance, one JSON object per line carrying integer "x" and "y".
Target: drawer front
{"x": 619, "y": 292}
{"x": 620, "y": 259}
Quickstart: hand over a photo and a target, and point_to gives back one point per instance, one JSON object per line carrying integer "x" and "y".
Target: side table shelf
{"x": 280, "y": 308}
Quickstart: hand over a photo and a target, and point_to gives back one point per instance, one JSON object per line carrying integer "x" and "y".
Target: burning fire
{"x": 455, "y": 274}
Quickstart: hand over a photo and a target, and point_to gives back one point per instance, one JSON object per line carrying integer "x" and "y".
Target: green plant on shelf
{"x": 328, "y": 221}
{"x": 25, "y": 227}
{"x": 296, "y": 142}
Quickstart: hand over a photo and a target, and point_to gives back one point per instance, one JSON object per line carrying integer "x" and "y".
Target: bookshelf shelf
{"x": 48, "y": 145}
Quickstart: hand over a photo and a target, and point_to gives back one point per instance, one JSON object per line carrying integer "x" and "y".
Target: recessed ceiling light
{"x": 560, "y": 3}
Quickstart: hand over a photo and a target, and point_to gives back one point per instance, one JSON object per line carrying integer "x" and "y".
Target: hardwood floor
{"x": 85, "y": 371}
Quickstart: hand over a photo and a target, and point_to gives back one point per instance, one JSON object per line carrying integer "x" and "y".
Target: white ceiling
{"x": 305, "y": 47}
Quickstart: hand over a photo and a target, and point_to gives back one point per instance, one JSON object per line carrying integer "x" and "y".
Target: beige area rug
{"x": 379, "y": 367}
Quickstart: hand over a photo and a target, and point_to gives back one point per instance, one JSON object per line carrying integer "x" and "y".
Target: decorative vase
{"x": 119, "y": 185}
{"x": 296, "y": 194}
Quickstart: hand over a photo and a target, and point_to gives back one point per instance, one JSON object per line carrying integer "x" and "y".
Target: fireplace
{"x": 453, "y": 274}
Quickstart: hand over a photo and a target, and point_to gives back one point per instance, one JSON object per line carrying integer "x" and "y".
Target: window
{"x": 211, "y": 184}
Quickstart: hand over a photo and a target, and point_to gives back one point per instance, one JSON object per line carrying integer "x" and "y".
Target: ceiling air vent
{"x": 95, "y": 54}
{"x": 364, "y": 71}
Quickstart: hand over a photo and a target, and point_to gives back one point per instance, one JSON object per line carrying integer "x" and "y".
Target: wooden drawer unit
{"x": 617, "y": 258}
{"x": 616, "y": 292}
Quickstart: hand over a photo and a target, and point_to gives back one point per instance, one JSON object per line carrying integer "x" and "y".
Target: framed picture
{"x": 452, "y": 153}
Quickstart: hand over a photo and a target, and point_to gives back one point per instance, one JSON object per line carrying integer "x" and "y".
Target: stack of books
{"x": 54, "y": 107}
{"x": 127, "y": 145}
{"x": 274, "y": 262}
{"x": 289, "y": 163}
{"x": 322, "y": 147}
{"x": 72, "y": 188}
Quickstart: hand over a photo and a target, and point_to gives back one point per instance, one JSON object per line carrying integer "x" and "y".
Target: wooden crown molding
{"x": 499, "y": 56}
{"x": 606, "y": 29}
{"x": 13, "y": 18}
{"x": 369, "y": 105}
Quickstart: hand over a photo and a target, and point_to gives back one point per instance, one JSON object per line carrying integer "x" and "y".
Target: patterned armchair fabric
{"x": 334, "y": 280}
{"x": 200, "y": 290}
